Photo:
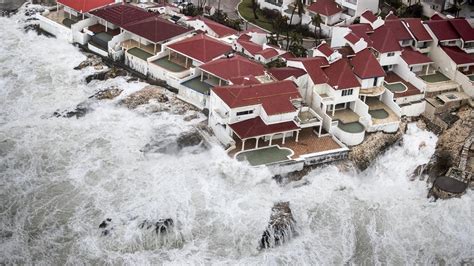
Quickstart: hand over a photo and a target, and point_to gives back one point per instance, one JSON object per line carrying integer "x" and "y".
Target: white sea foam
{"x": 60, "y": 178}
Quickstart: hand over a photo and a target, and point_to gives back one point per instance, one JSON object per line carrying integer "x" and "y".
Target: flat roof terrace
{"x": 169, "y": 65}
{"x": 197, "y": 85}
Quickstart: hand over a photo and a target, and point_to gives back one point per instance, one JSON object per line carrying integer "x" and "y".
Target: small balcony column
{"x": 427, "y": 68}
{"x": 297, "y": 135}
{"x": 186, "y": 62}
{"x": 106, "y": 26}
{"x": 271, "y": 138}
{"x": 256, "y": 143}
{"x": 202, "y": 76}
{"x": 283, "y": 141}
{"x": 243, "y": 144}
{"x": 154, "y": 49}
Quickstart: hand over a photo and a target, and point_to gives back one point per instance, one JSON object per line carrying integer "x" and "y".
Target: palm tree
{"x": 254, "y": 8}
{"x": 298, "y": 6}
{"x": 316, "y": 21}
{"x": 279, "y": 24}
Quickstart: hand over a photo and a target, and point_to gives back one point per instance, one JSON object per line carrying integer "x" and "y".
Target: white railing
{"x": 403, "y": 71}
{"x": 362, "y": 110}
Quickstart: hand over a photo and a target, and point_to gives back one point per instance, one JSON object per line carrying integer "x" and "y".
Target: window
{"x": 390, "y": 54}
{"x": 347, "y": 92}
{"x": 248, "y": 112}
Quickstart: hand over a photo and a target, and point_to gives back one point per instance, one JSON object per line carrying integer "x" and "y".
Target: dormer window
{"x": 391, "y": 54}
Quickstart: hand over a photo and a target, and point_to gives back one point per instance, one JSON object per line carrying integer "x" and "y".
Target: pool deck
{"x": 376, "y": 104}
{"x": 346, "y": 116}
{"x": 411, "y": 89}
{"x": 308, "y": 143}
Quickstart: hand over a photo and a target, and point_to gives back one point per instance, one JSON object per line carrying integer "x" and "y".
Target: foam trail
{"x": 61, "y": 177}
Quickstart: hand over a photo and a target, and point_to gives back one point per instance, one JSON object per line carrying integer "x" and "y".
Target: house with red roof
{"x": 211, "y": 27}
{"x": 228, "y": 70}
{"x": 69, "y": 17}
{"x": 250, "y": 45}
{"x": 324, "y": 50}
{"x": 453, "y": 52}
{"x": 262, "y": 112}
{"x": 329, "y": 11}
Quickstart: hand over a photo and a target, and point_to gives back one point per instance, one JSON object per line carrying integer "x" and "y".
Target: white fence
{"x": 56, "y": 29}
{"x": 78, "y": 35}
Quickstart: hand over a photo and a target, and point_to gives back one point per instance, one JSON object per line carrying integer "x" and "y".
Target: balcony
{"x": 307, "y": 117}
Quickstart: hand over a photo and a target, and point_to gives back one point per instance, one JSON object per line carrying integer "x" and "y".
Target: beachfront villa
{"x": 68, "y": 19}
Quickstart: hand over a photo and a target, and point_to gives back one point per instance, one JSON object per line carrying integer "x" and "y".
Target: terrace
{"x": 197, "y": 85}
{"x": 399, "y": 86}
{"x": 434, "y": 78}
{"x": 149, "y": 49}
{"x": 62, "y": 17}
{"x": 308, "y": 143}
{"x": 138, "y": 52}
{"x": 169, "y": 65}
{"x": 380, "y": 112}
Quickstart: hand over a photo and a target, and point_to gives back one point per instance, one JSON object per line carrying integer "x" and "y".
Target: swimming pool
{"x": 352, "y": 127}
{"x": 396, "y": 87}
{"x": 378, "y": 114}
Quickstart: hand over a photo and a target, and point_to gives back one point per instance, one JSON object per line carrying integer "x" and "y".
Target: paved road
{"x": 228, "y": 6}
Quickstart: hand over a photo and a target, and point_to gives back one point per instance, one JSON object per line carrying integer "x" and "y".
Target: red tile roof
{"x": 415, "y": 26}
{"x": 219, "y": 29}
{"x": 383, "y": 40}
{"x": 412, "y": 57}
{"x": 436, "y": 16}
{"x": 313, "y": 68}
{"x": 352, "y": 38}
{"x": 362, "y": 31}
{"x": 463, "y": 28}
{"x": 340, "y": 75}
{"x": 201, "y": 48}
{"x": 274, "y": 97}
{"x": 391, "y": 16}
{"x": 255, "y": 127}
{"x": 84, "y": 6}
{"x": 443, "y": 30}
{"x": 248, "y": 45}
{"x": 236, "y": 66}
{"x": 458, "y": 56}
{"x": 287, "y": 55}
{"x": 244, "y": 80}
{"x": 400, "y": 31}
{"x": 122, "y": 14}
{"x": 267, "y": 53}
{"x": 156, "y": 29}
{"x": 365, "y": 65}
{"x": 325, "y": 49}
{"x": 369, "y": 16}
{"x": 282, "y": 73}
{"x": 325, "y": 7}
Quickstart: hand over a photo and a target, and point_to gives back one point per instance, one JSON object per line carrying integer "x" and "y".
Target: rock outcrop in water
{"x": 91, "y": 60}
{"x": 280, "y": 228}
{"x": 188, "y": 139}
{"x": 79, "y": 111}
{"x": 162, "y": 226}
{"x": 144, "y": 96}
{"x": 107, "y": 94}
{"x": 374, "y": 144}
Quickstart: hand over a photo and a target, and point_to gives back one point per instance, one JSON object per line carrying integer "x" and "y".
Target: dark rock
{"x": 81, "y": 110}
{"x": 191, "y": 117}
{"x": 103, "y": 224}
{"x": 108, "y": 220}
{"x": 108, "y": 94}
{"x": 115, "y": 72}
{"x": 91, "y": 60}
{"x": 189, "y": 139}
{"x": 105, "y": 233}
{"x": 161, "y": 226}
{"x": 280, "y": 228}
{"x": 6, "y": 234}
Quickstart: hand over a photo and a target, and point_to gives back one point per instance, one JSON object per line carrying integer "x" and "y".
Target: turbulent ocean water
{"x": 61, "y": 177}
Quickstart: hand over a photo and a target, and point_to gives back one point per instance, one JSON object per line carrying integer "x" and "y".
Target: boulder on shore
{"x": 91, "y": 60}
{"x": 189, "y": 139}
{"x": 144, "y": 96}
{"x": 280, "y": 228}
{"x": 81, "y": 110}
